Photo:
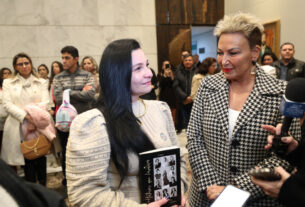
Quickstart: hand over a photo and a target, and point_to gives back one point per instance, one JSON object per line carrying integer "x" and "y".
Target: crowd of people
{"x": 228, "y": 105}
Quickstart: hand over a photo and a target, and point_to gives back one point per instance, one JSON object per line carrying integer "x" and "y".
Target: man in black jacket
{"x": 288, "y": 67}
{"x": 182, "y": 85}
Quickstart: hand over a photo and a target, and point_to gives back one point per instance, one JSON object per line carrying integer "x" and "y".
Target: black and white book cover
{"x": 160, "y": 175}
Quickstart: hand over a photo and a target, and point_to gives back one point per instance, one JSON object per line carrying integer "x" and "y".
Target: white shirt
{"x": 233, "y": 115}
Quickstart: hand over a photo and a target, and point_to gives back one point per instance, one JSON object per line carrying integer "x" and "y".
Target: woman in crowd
{"x": 267, "y": 59}
{"x": 102, "y": 152}
{"x": 4, "y": 73}
{"x": 225, "y": 138}
{"x": 89, "y": 64}
{"x": 23, "y": 88}
{"x": 206, "y": 68}
{"x": 167, "y": 94}
{"x": 43, "y": 71}
{"x": 56, "y": 68}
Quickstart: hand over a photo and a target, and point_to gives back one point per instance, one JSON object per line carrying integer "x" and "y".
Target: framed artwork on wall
{"x": 272, "y": 32}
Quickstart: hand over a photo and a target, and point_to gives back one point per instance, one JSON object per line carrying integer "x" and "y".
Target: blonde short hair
{"x": 247, "y": 24}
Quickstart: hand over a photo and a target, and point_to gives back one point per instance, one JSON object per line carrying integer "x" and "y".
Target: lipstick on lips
{"x": 226, "y": 70}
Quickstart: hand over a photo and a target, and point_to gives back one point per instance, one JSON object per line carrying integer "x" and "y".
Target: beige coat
{"x": 195, "y": 84}
{"x": 12, "y": 102}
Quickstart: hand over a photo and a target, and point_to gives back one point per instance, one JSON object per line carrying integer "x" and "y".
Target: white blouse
{"x": 233, "y": 115}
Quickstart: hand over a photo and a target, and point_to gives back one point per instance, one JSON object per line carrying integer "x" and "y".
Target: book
{"x": 159, "y": 172}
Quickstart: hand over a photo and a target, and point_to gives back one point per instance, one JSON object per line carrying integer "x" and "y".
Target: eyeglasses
{"x": 21, "y": 64}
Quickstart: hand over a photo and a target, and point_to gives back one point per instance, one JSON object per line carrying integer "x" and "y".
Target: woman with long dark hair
{"x": 56, "y": 68}
{"x": 104, "y": 143}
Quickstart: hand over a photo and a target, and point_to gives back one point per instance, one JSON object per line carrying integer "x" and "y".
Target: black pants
{"x": 63, "y": 137}
{"x": 36, "y": 169}
{"x": 186, "y": 113}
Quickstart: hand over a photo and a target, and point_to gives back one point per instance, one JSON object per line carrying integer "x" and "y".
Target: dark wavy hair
{"x": 114, "y": 102}
{"x": 205, "y": 65}
{"x": 270, "y": 54}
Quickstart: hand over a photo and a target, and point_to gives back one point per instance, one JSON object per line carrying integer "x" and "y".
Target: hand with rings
{"x": 213, "y": 191}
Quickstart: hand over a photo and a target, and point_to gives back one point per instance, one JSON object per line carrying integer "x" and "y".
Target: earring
{"x": 253, "y": 70}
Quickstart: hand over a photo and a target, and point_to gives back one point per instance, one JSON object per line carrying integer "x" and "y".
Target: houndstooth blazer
{"x": 216, "y": 160}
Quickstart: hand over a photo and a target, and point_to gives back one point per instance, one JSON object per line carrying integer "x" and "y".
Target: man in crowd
{"x": 197, "y": 62}
{"x": 82, "y": 90}
{"x": 288, "y": 67}
{"x": 184, "y": 53}
{"x": 182, "y": 86}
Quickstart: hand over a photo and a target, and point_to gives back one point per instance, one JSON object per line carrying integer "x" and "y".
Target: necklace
{"x": 145, "y": 109}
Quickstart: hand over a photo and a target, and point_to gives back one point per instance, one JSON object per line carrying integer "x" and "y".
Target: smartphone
{"x": 265, "y": 174}
{"x": 231, "y": 196}
{"x": 166, "y": 66}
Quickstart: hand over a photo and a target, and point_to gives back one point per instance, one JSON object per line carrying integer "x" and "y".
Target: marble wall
{"x": 290, "y": 13}
{"x": 42, "y": 27}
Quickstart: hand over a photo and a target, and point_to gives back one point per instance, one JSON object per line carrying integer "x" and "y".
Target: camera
{"x": 265, "y": 174}
{"x": 167, "y": 66}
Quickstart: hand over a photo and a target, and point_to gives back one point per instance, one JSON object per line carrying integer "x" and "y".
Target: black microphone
{"x": 292, "y": 106}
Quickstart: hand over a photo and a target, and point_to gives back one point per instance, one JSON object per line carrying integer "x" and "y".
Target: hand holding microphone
{"x": 290, "y": 141}
{"x": 292, "y": 106}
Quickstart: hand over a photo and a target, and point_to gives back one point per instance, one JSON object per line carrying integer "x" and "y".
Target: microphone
{"x": 292, "y": 106}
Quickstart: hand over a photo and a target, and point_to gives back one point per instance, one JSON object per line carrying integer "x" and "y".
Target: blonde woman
{"x": 89, "y": 64}
{"x": 225, "y": 138}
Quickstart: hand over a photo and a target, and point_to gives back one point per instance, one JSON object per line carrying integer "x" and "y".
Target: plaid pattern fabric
{"x": 216, "y": 160}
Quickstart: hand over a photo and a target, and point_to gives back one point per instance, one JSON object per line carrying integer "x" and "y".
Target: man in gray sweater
{"x": 82, "y": 90}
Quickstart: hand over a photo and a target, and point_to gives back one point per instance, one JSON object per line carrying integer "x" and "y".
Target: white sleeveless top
{"x": 233, "y": 115}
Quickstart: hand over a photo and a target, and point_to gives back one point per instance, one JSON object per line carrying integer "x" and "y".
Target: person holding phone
{"x": 290, "y": 189}
{"x": 167, "y": 94}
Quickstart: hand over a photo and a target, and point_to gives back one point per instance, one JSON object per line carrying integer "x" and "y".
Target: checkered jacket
{"x": 216, "y": 160}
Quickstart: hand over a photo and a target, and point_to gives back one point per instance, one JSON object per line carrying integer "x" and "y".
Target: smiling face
{"x": 141, "y": 75}
{"x": 235, "y": 56}
{"x": 24, "y": 67}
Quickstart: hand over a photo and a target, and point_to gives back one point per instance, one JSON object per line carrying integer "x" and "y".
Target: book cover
{"x": 160, "y": 175}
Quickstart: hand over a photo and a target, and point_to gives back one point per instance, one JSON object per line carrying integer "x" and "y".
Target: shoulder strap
{"x": 66, "y": 96}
